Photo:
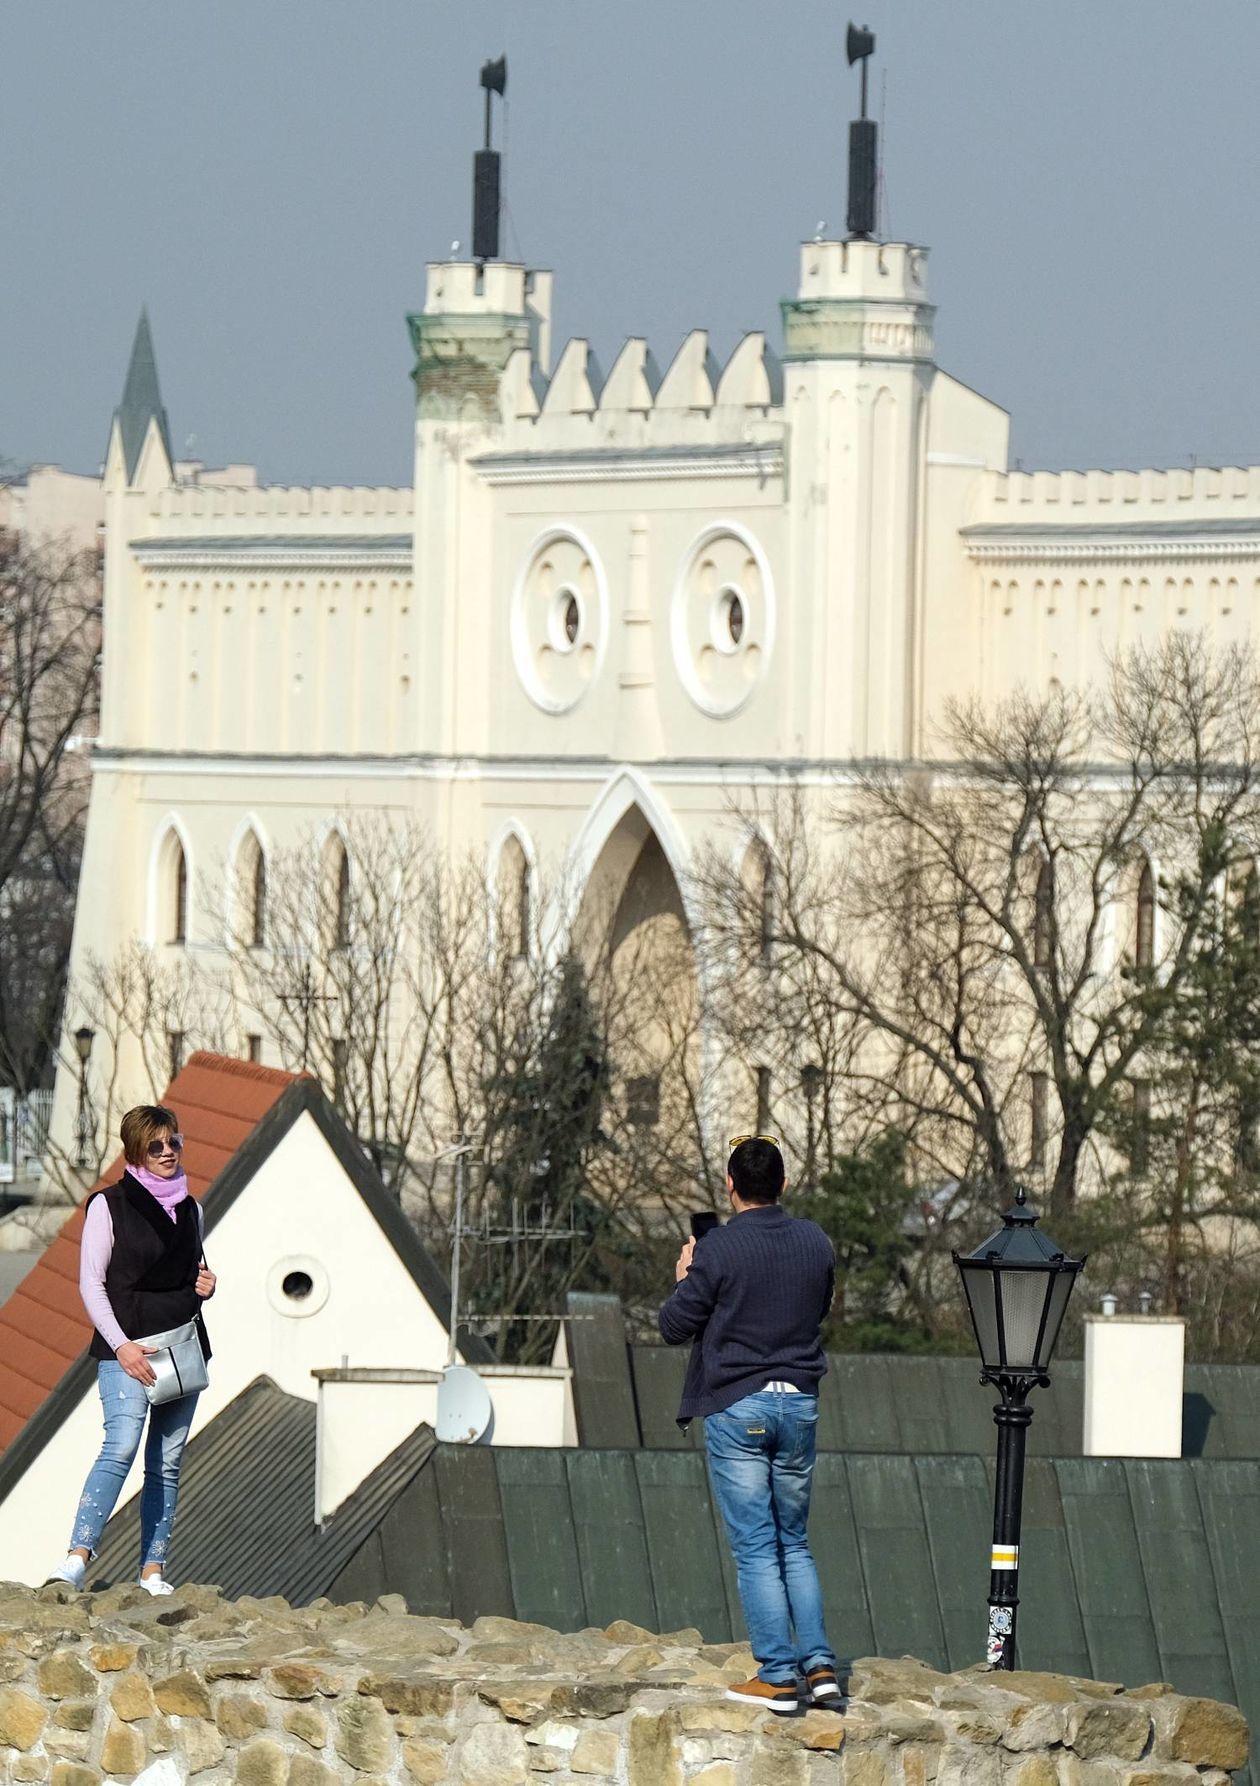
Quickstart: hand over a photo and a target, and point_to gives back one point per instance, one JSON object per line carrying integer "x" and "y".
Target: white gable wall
{"x": 299, "y": 1212}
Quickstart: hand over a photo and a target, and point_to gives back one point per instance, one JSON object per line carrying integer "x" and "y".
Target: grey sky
{"x": 270, "y": 177}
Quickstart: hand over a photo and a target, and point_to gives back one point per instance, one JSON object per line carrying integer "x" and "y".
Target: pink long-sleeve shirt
{"x": 94, "y": 1255}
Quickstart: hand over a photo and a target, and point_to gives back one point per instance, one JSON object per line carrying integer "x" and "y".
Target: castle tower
{"x": 858, "y": 371}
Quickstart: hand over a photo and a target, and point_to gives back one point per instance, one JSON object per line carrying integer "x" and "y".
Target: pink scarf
{"x": 169, "y": 1192}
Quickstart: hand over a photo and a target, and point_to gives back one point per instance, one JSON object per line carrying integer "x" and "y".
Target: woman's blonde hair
{"x": 142, "y": 1125}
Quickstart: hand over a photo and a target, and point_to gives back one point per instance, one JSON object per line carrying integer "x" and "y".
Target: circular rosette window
{"x": 559, "y": 620}
{"x": 722, "y": 623}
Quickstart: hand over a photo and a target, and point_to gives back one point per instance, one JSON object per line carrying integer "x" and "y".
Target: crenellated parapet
{"x": 1113, "y": 513}
{"x": 331, "y": 509}
{"x": 692, "y": 386}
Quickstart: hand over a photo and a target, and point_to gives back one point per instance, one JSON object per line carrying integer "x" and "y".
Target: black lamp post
{"x": 811, "y": 1085}
{"x": 1017, "y": 1284}
{"x": 83, "y": 1040}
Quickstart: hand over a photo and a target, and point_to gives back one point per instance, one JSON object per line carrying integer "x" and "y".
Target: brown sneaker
{"x": 823, "y": 1685}
{"x": 775, "y": 1697}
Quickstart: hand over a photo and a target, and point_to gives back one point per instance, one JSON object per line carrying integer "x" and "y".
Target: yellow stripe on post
{"x": 1005, "y": 1556}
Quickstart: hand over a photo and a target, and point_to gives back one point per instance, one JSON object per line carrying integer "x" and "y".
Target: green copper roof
{"x": 141, "y": 400}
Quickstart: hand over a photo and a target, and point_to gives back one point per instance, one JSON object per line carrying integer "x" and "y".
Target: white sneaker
{"x": 72, "y": 1571}
{"x": 154, "y": 1584}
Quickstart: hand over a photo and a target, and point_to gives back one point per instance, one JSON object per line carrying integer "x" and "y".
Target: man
{"x": 752, "y": 1297}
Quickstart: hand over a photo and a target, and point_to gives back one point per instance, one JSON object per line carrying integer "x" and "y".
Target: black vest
{"x": 152, "y": 1272}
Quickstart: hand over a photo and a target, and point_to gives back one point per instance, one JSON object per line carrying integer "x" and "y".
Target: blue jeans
{"x": 761, "y": 1464}
{"x": 126, "y": 1407}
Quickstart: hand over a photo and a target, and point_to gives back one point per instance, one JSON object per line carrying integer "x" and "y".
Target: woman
{"x": 141, "y": 1271}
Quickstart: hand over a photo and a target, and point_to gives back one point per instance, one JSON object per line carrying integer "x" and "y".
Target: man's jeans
{"x": 126, "y": 1407}
{"x": 761, "y": 1464}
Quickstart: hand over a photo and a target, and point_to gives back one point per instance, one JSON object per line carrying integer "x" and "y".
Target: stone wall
{"x": 107, "y": 1685}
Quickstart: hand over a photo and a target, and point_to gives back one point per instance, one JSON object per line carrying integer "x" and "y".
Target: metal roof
{"x": 247, "y": 1504}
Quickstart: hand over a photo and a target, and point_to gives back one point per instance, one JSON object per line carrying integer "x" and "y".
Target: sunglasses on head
{"x": 156, "y": 1149}
{"x": 739, "y": 1140}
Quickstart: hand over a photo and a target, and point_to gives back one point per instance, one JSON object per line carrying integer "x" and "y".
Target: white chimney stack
{"x": 1134, "y": 1379}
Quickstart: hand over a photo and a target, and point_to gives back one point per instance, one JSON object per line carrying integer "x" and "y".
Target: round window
{"x": 297, "y": 1286}
{"x": 729, "y": 620}
{"x": 566, "y": 619}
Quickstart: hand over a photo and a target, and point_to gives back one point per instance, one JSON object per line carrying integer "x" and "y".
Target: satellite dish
{"x": 464, "y": 1410}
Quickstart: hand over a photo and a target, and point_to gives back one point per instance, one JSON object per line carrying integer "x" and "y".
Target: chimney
{"x": 1134, "y": 1379}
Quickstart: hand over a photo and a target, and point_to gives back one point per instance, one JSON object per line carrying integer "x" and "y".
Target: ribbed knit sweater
{"x": 752, "y": 1303}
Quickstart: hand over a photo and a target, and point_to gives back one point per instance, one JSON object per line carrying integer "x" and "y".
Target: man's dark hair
{"x": 756, "y": 1169}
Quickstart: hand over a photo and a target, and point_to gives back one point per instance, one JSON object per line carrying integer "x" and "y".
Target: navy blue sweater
{"x": 753, "y": 1301}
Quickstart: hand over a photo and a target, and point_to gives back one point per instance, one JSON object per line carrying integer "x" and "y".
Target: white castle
{"x": 611, "y": 606}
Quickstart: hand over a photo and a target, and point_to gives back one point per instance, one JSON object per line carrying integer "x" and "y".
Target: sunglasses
{"x": 739, "y": 1140}
{"x": 156, "y": 1149}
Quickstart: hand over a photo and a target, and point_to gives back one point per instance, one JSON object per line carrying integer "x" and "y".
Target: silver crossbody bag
{"x": 177, "y": 1363}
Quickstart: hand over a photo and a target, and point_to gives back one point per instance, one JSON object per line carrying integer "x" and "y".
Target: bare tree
{"x": 993, "y": 922}
{"x": 147, "y": 1012}
{"x": 431, "y": 1005}
{"x": 49, "y": 652}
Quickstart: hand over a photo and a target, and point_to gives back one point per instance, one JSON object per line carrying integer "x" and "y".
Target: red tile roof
{"x": 43, "y": 1328}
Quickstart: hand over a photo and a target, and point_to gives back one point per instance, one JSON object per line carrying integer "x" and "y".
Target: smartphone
{"x": 701, "y": 1222}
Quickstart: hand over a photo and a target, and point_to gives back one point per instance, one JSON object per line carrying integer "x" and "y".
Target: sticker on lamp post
{"x": 1001, "y": 1624}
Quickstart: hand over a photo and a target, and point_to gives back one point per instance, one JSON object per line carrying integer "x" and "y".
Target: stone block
{"x": 921, "y": 1727}
{"x": 1033, "y": 1725}
{"x": 865, "y": 1767}
{"x": 297, "y": 1680}
{"x": 595, "y": 1752}
{"x": 263, "y": 1763}
{"x": 183, "y": 1695}
{"x": 67, "y": 1745}
{"x": 75, "y": 1714}
{"x": 240, "y": 1716}
{"x": 22, "y": 1719}
{"x": 122, "y": 1751}
{"x": 425, "y": 1762}
{"x": 365, "y": 1736}
{"x": 650, "y": 1756}
{"x": 1112, "y": 1727}
{"x": 494, "y": 1755}
{"x": 916, "y": 1765}
{"x": 554, "y": 1735}
{"x": 1034, "y": 1770}
{"x": 519, "y": 1701}
{"x": 547, "y": 1761}
{"x": 112, "y": 1658}
{"x": 622, "y": 1631}
{"x": 64, "y": 1675}
{"x": 304, "y": 1770}
{"x": 717, "y": 1773}
{"x": 776, "y": 1763}
{"x": 421, "y": 1698}
{"x": 71, "y": 1773}
{"x": 162, "y": 1736}
{"x": 969, "y": 1767}
{"x": 201, "y": 1744}
{"x": 12, "y": 1668}
{"x": 1203, "y": 1732}
{"x": 968, "y": 1727}
{"x": 720, "y": 1714}
{"x": 307, "y": 1723}
{"x": 814, "y": 1730}
{"x": 131, "y": 1697}
{"x": 28, "y": 1769}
